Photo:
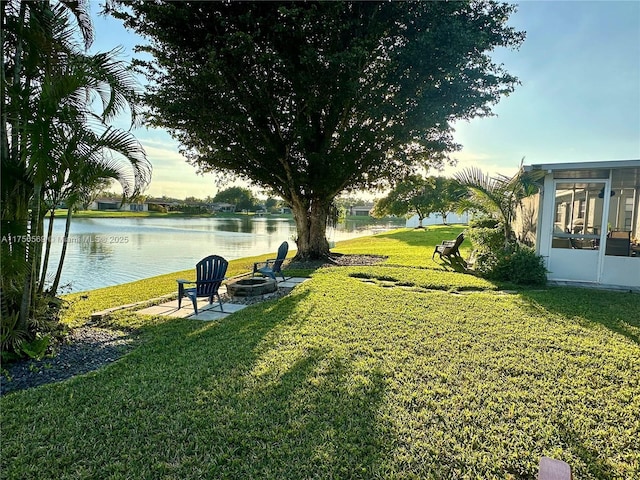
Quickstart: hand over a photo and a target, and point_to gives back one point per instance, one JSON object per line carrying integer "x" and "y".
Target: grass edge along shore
{"x": 399, "y": 370}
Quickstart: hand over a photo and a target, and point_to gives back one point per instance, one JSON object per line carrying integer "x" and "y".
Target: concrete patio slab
{"x": 292, "y": 282}
{"x": 209, "y": 316}
{"x": 170, "y": 308}
{"x": 230, "y": 307}
{"x": 158, "y": 310}
{"x": 215, "y": 313}
{"x": 206, "y": 311}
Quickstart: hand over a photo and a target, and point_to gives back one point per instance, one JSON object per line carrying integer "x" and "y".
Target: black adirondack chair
{"x": 273, "y": 266}
{"x": 449, "y": 249}
{"x": 210, "y": 273}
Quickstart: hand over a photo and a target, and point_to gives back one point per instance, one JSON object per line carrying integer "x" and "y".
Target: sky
{"x": 579, "y": 98}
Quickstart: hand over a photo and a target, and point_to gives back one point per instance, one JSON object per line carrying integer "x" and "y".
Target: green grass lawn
{"x": 401, "y": 370}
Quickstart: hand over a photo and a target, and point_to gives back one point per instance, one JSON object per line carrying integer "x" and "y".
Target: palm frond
{"x": 473, "y": 176}
{"x": 80, "y": 11}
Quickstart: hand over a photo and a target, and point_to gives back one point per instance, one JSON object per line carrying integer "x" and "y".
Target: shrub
{"x": 33, "y": 340}
{"x": 487, "y": 244}
{"x": 484, "y": 222}
{"x": 521, "y": 266}
{"x": 494, "y": 260}
{"x": 154, "y": 207}
{"x": 486, "y": 239}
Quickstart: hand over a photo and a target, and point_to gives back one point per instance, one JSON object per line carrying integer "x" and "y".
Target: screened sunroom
{"x": 589, "y": 223}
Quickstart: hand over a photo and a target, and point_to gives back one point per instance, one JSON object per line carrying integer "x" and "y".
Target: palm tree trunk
{"x": 35, "y": 246}
{"x": 47, "y": 250}
{"x": 21, "y": 190}
{"x": 32, "y": 258}
{"x": 67, "y": 227}
{"x": 17, "y": 70}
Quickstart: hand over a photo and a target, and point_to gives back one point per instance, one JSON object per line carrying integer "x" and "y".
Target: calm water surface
{"x": 109, "y": 251}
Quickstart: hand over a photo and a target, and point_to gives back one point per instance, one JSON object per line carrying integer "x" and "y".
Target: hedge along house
{"x": 588, "y": 223}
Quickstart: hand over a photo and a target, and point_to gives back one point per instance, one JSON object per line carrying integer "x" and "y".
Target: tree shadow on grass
{"x": 239, "y": 398}
{"x": 310, "y": 421}
{"x": 617, "y": 311}
{"x": 288, "y": 409}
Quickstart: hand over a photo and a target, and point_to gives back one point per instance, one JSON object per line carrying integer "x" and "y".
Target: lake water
{"x": 109, "y": 251}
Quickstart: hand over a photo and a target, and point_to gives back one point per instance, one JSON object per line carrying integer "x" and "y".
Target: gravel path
{"x": 89, "y": 348}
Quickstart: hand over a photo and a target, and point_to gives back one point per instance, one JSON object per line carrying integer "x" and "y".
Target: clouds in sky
{"x": 172, "y": 175}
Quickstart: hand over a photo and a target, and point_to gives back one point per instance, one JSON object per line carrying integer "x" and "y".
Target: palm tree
{"x": 51, "y": 129}
{"x": 116, "y": 154}
{"x": 498, "y": 196}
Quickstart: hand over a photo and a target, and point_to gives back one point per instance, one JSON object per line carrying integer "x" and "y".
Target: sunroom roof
{"x": 594, "y": 170}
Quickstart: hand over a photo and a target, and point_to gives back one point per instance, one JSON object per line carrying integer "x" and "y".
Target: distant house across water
{"x": 436, "y": 219}
{"x": 223, "y": 207}
{"x": 106, "y": 204}
{"x": 361, "y": 210}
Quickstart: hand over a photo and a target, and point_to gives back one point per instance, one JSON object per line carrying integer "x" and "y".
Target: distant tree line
{"x": 244, "y": 199}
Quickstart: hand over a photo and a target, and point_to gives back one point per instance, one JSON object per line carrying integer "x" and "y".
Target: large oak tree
{"x": 311, "y": 99}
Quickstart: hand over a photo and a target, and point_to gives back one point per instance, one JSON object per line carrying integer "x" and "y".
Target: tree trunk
{"x": 47, "y": 250}
{"x": 17, "y": 198}
{"x": 311, "y": 223}
{"x": 67, "y": 227}
{"x": 34, "y": 257}
{"x": 31, "y": 259}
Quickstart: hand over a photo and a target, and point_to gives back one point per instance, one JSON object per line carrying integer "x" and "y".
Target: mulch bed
{"x": 338, "y": 260}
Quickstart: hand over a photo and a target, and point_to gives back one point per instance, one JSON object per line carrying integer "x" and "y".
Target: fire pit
{"x": 251, "y": 287}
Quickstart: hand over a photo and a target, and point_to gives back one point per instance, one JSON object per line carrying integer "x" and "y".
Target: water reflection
{"x": 104, "y": 252}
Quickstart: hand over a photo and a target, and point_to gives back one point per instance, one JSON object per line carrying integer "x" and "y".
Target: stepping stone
{"x": 209, "y": 314}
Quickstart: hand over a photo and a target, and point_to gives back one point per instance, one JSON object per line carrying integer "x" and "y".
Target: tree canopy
{"x": 311, "y": 99}
{"x": 242, "y": 198}
{"x": 421, "y": 196}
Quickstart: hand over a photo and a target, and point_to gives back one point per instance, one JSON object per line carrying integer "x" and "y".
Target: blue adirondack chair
{"x": 272, "y": 266}
{"x": 210, "y": 273}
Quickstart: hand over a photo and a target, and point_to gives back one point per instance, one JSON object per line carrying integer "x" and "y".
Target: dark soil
{"x": 89, "y": 348}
